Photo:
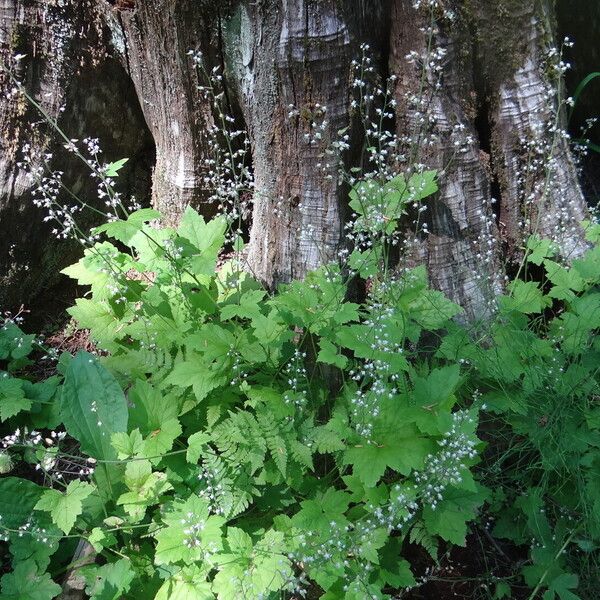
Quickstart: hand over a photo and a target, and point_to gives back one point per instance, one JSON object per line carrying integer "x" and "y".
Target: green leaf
{"x": 110, "y": 581}
{"x": 422, "y": 185}
{"x": 39, "y": 550}
{"x": 204, "y": 236}
{"x": 402, "y": 451}
{"x": 502, "y": 590}
{"x": 249, "y": 306}
{"x": 93, "y": 406}
{"x": 273, "y": 435}
{"x": 449, "y": 518}
{"x": 588, "y": 308}
{"x": 150, "y": 407}
{"x": 317, "y": 514}
{"x": 127, "y": 445}
{"x": 432, "y": 310}
{"x": 65, "y": 508}
{"x": 14, "y": 343}
{"x": 420, "y": 535}
{"x": 26, "y": 583}
{"x": 145, "y": 488}
{"x": 12, "y": 397}
{"x": 329, "y": 354}
{"x": 363, "y": 195}
{"x": 14, "y": 514}
{"x": 582, "y": 85}
{"x": 100, "y": 539}
{"x": 566, "y": 281}
{"x": 366, "y": 263}
{"x": 395, "y": 570}
{"x": 92, "y": 270}
{"x": 526, "y": 298}
{"x": 361, "y": 340}
{"x": 188, "y": 584}
{"x": 196, "y": 442}
{"x": 212, "y": 341}
{"x": 562, "y": 586}
{"x": 194, "y": 372}
{"x": 434, "y": 395}
{"x": 161, "y": 440}
{"x": 99, "y": 318}
{"x": 125, "y": 231}
{"x": 252, "y": 571}
{"x": 189, "y": 533}
{"x": 539, "y": 249}
{"x": 112, "y": 169}
{"x": 302, "y": 454}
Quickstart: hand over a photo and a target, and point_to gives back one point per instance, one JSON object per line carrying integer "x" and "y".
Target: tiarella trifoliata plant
{"x": 247, "y": 443}
{"x": 250, "y": 445}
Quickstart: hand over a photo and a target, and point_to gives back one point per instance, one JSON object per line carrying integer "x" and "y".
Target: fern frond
{"x": 420, "y": 535}
{"x": 275, "y": 442}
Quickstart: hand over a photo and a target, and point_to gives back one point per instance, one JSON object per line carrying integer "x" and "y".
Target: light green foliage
{"x": 252, "y": 570}
{"x": 12, "y": 397}
{"x": 401, "y": 450}
{"x": 93, "y": 406}
{"x": 145, "y": 488}
{"x": 189, "y": 533}
{"x": 65, "y": 508}
{"x": 187, "y": 584}
{"x": 241, "y": 439}
{"x": 26, "y": 583}
{"x": 112, "y": 169}
{"x": 125, "y": 230}
{"x": 108, "y": 582}
{"x": 15, "y": 345}
{"x": 449, "y": 519}
{"x": 381, "y": 205}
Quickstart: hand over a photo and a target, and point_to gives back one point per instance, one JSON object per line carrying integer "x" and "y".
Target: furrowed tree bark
{"x": 494, "y": 119}
{"x": 496, "y": 83}
{"x": 287, "y": 60}
{"x": 153, "y": 40}
{"x": 540, "y": 190}
{"x": 38, "y": 31}
{"x": 436, "y": 113}
{"x": 68, "y": 70}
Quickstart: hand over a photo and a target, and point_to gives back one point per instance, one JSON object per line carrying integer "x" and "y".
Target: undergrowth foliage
{"x": 240, "y": 442}
{"x": 244, "y": 445}
{"x": 226, "y": 441}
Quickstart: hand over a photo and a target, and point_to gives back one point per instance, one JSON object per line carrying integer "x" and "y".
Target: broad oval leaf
{"x": 93, "y": 406}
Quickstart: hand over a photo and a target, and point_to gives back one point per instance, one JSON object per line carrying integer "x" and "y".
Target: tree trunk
{"x": 492, "y": 116}
{"x": 68, "y": 69}
{"x": 520, "y": 82}
{"x": 160, "y": 34}
{"x": 289, "y": 60}
{"x": 460, "y": 249}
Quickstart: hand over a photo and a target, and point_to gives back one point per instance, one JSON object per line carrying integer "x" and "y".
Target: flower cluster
{"x": 315, "y": 549}
{"x": 193, "y": 530}
{"x": 447, "y": 467}
{"x": 28, "y": 528}
{"x": 541, "y": 180}
{"x": 439, "y": 8}
{"x": 61, "y": 205}
{"x": 227, "y": 177}
{"x": 295, "y": 376}
{"x": 397, "y": 512}
{"x": 31, "y": 438}
{"x": 374, "y": 104}
{"x": 376, "y": 377}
